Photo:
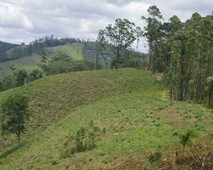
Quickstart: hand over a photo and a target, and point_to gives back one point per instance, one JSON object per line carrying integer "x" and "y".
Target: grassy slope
{"x": 31, "y": 62}
{"x": 74, "y": 50}
{"x": 130, "y": 104}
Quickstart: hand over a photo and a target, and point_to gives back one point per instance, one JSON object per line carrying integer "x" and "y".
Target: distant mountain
{"x": 14, "y": 52}
{"x": 4, "y": 47}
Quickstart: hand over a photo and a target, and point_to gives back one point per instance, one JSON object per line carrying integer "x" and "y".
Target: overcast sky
{"x": 26, "y": 20}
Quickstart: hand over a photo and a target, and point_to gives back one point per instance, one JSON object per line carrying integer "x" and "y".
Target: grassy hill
{"x": 30, "y": 63}
{"x": 130, "y": 107}
{"x": 74, "y": 50}
{"x": 4, "y": 47}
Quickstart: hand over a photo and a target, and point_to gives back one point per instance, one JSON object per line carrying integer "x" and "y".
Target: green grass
{"x": 130, "y": 104}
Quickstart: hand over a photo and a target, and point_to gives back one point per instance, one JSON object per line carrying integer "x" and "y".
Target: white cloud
{"x": 13, "y": 17}
{"x": 25, "y": 20}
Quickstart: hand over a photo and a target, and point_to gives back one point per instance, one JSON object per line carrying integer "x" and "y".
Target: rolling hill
{"x": 131, "y": 108}
{"x": 4, "y": 47}
{"x": 31, "y": 62}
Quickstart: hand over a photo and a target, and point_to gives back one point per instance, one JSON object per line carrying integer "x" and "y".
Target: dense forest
{"x": 183, "y": 51}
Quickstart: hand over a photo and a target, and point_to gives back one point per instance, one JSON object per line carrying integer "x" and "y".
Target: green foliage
{"x": 28, "y": 63}
{"x": 15, "y": 112}
{"x": 63, "y": 64}
{"x": 19, "y": 51}
{"x": 183, "y": 52}
{"x": 85, "y": 139}
{"x": 121, "y": 36}
{"x": 154, "y": 37}
{"x": 20, "y": 77}
{"x": 34, "y": 75}
{"x": 7, "y": 82}
{"x": 4, "y": 47}
{"x": 185, "y": 138}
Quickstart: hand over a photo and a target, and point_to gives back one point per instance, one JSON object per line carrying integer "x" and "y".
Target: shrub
{"x": 83, "y": 140}
{"x": 185, "y": 138}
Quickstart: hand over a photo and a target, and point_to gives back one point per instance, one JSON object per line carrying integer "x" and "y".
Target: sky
{"x": 27, "y": 20}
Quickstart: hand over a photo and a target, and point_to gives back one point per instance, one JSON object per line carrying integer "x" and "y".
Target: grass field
{"x": 130, "y": 105}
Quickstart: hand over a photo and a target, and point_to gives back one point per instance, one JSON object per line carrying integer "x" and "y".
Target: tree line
{"x": 23, "y": 50}
{"x": 182, "y": 51}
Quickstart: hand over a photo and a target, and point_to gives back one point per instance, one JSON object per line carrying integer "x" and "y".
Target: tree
{"x": 121, "y": 36}
{"x": 15, "y": 112}
{"x": 20, "y": 77}
{"x": 153, "y": 35}
{"x": 7, "y": 82}
{"x": 190, "y": 66}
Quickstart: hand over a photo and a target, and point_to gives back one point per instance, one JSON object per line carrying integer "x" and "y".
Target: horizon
{"x": 25, "y": 21}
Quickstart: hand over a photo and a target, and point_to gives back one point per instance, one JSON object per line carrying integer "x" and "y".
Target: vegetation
{"x": 185, "y": 138}
{"x": 85, "y": 139}
{"x": 4, "y": 47}
{"x": 130, "y": 104}
{"x": 136, "y": 116}
{"x": 183, "y": 52}
{"x": 15, "y": 112}
{"x": 63, "y": 63}
{"x": 121, "y": 36}
{"x": 35, "y": 47}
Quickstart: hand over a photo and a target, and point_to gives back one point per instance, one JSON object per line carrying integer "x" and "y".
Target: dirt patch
{"x": 169, "y": 114}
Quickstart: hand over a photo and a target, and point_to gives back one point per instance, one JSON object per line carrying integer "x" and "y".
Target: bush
{"x": 84, "y": 139}
{"x": 185, "y": 138}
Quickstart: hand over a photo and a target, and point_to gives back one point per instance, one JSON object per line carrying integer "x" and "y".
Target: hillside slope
{"x": 4, "y": 47}
{"x": 130, "y": 105}
{"x": 30, "y": 63}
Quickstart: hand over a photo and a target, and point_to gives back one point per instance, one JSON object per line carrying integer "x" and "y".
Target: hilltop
{"x": 131, "y": 108}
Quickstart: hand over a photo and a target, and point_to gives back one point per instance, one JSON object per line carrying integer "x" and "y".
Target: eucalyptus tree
{"x": 121, "y": 36}
{"x": 191, "y": 67}
{"x": 153, "y": 35}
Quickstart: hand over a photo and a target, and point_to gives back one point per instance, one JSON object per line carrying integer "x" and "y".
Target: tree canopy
{"x": 121, "y": 36}
{"x": 15, "y": 112}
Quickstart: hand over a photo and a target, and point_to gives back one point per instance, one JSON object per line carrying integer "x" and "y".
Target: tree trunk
{"x": 117, "y": 57}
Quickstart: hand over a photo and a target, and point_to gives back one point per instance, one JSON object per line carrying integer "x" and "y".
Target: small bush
{"x": 84, "y": 139}
{"x": 185, "y": 138}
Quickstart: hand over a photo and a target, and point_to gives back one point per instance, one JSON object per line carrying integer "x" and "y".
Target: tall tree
{"x": 190, "y": 71}
{"x": 121, "y": 36}
{"x": 153, "y": 35}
